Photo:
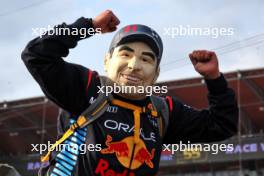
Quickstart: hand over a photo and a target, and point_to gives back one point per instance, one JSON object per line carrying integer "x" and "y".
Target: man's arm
{"x": 216, "y": 123}
{"x": 62, "y": 82}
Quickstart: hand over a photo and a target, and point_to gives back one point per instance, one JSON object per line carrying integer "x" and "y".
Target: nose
{"x": 134, "y": 63}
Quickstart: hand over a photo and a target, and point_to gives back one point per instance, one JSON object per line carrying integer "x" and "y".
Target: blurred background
{"x": 27, "y": 117}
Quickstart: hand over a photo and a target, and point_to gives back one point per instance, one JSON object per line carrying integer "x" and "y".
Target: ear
{"x": 106, "y": 62}
{"x": 156, "y": 75}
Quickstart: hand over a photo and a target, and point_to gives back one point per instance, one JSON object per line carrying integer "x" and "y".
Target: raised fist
{"x": 206, "y": 63}
{"x": 107, "y": 21}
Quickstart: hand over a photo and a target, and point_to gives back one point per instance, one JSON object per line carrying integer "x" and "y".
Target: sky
{"x": 240, "y": 49}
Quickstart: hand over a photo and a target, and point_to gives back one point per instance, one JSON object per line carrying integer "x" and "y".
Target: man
{"x": 131, "y": 141}
{"x": 8, "y": 170}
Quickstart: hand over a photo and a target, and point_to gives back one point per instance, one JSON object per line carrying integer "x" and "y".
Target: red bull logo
{"x": 119, "y": 148}
{"x": 123, "y": 150}
{"x": 143, "y": 156}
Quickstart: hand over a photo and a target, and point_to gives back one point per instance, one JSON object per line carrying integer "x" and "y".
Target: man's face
{"x": 132, "y": 64}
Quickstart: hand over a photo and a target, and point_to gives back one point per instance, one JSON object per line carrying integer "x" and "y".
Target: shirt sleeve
{"x": 64, "y": 83}
{"x": 216, "y": 123}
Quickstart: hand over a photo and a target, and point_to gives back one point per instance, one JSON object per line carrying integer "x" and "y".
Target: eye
{"x": 146, "y": 59}
{"x": 124, "y": 54}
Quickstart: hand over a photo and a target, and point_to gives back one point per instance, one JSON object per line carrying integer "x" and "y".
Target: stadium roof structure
{"x": 33, "y": 120}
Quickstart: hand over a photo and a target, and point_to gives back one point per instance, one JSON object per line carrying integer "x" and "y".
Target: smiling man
{"x": 134, "y": 126}
{"x": 132, "y": 64}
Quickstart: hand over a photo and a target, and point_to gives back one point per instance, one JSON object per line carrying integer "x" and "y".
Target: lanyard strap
{"x": 136, "y": 112}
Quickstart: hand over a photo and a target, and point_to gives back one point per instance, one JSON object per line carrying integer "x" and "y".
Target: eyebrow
{"x": 126, "y": 48}
{"x": 150, "y": 54}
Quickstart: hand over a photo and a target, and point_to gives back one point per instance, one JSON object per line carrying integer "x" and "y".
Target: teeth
{"x": 131, "y": 78}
